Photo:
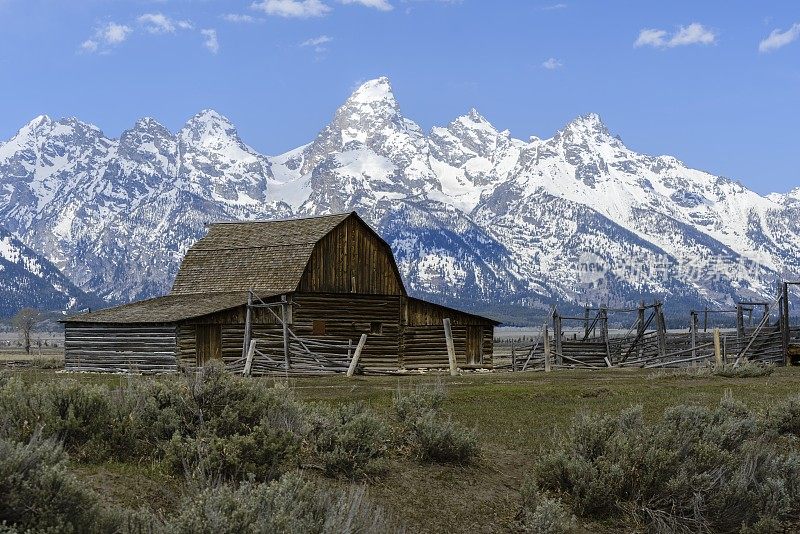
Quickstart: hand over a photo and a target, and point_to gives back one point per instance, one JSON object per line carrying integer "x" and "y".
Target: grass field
{"x": 515, "y": 416}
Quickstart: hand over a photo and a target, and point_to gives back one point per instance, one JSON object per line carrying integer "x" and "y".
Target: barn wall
{"x": 349, "y": 316}
{"x": 345, "y": 317}
{"x": 418, "y": 344}
{"x": 424, "y": 343}
{"x": 120, "y": 348}
{"x": 351, "y": 259}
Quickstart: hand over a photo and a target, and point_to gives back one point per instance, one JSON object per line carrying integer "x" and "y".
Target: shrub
{"x": 36, "y": 491}
{"x": 784, "y": 417}
{"x": 424, "y": 399}
{"x": 231, "y": 427}
{"x": 348, "y": 441}
{"x": 693, "y": 470}
{"x": 430, "y": 435}
{"x": 441, "y": 440}
{"x": 292, "y": 504}
{"x": 541, "y": 514}
{"x": 72, "y": 412}
{"x": 263, "y": 453}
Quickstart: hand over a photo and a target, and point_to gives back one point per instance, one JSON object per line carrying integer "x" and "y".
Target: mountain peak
{"x": 473, "y": 120}
{"x": 35, "y": 125}
{"x": 206, "y": 125}
{"x": 589, "y": 125}
{"x": 374, "y": 91}
{"x": 209, "y": 117}
{"x": 147, "y": 123}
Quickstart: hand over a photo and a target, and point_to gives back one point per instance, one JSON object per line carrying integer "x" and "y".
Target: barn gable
{"x": 335, "y": 253}
{"x": 352, "y": 258}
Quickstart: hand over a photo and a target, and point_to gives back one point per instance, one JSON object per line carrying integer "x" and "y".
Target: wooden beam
{"x": 784, "y": 313}
{"x": 717, "y": 348}
{"x": 661, "y": 330}
{"x": 285, "y": 324}
{"x": 357, "y": 355}
{"x": 740, "y": 323}
{"x": 546, "y": 338}
{"x": 557, "y": 336}
{"x": 247, "y": 324}
{"x": 248, "y": 363}
{"x": 451, "y": 349}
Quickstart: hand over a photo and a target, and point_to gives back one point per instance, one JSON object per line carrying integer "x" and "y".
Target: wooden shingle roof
{"x": 267, "y": 256}
{"x": 171, "y": 308}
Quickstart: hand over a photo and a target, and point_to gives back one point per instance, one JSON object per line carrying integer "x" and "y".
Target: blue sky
{"x": 715, "y": 83}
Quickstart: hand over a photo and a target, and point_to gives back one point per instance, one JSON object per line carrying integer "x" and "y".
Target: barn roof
{"x": 263, "y": 255}
{"x": 170, "y": 308}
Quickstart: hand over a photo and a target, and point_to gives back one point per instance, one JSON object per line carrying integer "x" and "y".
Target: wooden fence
{"x": 758, "y": 336}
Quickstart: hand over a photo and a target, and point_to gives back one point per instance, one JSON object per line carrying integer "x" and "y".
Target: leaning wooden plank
{"x": 451, "y": 350}
{"x": 248, "y": 364}
{"x": 354, "y": 362}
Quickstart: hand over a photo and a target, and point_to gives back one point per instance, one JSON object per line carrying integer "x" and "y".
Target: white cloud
{"x": 552, "y": 64}
{"x": 381, "y": 5}
{"x": 292, "y": 8}
{"x": 241, "y": 19}
{"x": 651, "y": 37}
{"x": 106, "y": 37}
{"x": 694, "y": 33}
{"x": 317, "y": 41}
{"x": 114, "y": 33}
{"x": 778, "y": 39}
{"x": 89, "y": 46}
{"x": 157, "y": 23}
{"x": 211, "y": 42}
{"x": 554, "y": 7}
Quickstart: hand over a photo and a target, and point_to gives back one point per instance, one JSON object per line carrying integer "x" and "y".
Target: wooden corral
{"x": 586, "y": 343}
{"x": 292, "y": 296}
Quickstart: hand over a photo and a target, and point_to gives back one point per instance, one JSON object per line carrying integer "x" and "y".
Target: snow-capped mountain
{"x": 471, "y": 212}
{"x": 27, "y": 279}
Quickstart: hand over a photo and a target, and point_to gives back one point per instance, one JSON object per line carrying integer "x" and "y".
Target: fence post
{"x": 586, "y": 322}
{"x": 247, "y": 324}
{"x": 451, "y": 349}
{"x": 717, "y": 348}
{"x": 785, "y": 327}
{"x": 546, "y": 340}
{"x": 640, "y": 328}
{"x": 661, "y": 327}
{"x": 354, "y": 360}
{"x": 285, "y": 322}
{"x": 513, "y": 357}
{"x": 606, "y": 335}
{"x": 557, "y": 337}
{"x": 740, "y": 323}
{"x": 248, "y": 363}
{"x": 693, "y": 328}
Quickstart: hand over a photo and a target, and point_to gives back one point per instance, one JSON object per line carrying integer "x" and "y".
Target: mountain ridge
{"x": 470, "y": 211}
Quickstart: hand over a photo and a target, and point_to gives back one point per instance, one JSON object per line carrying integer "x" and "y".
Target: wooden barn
{"x": 310, "y": 293}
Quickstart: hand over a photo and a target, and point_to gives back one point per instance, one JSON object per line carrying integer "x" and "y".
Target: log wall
{"x": 120, "y": 348}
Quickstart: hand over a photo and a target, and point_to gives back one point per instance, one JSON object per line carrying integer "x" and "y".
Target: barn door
{"x": 209, "y": 346}
{"x": 474, "y": 345}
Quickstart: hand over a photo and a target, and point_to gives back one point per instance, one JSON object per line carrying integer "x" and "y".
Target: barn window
{"x": 376, "y": 328}
{"x": 318, "y": 327}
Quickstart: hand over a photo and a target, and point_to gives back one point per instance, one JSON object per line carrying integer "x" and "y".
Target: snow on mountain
{"x": 471, "y": 212}
{"x": 27, "y": 279}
